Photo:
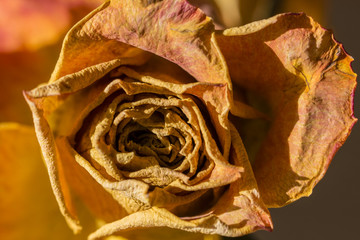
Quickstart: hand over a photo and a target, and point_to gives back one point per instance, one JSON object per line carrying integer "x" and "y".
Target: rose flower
{"x": 146, "y": 112}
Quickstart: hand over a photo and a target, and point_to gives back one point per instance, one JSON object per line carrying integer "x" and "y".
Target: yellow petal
{"x": 28, "y": 207}
{"x": 55, "y": 170}
{"x": 293, "y": 67}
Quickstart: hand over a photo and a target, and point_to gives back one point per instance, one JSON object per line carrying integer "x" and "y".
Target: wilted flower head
{"x": 146, "y": 112}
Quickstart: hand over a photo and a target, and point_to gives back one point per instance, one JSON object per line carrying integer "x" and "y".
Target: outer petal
{"x": 305, "y": 78}
{"x": 51, "y": 156}
{"x": 174, "y": 30}
{"x": 28, "y": 208}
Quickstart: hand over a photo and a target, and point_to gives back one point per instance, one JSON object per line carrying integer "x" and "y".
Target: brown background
{"x": 332, "y": 212}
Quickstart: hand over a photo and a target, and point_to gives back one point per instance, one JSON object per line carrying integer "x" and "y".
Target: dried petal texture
{"x": 298, "y": 70}
{"x": 135, "y": 121}
{"x": 33, "y": 24}
{"x": 28, "y": 208}
{"x": 174, "y": 30}
{"x": 139, "y": 145}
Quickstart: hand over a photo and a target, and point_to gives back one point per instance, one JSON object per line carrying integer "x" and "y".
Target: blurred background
{"x": 31, "y": 32}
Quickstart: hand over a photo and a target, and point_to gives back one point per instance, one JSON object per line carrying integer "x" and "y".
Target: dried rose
{"x": 135, "y": 117}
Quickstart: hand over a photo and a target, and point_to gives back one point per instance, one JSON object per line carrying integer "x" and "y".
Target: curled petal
{"x": 144, "y": 148}
{"x": 174, "y": 30}
{"x": 304, "y": 77}
{"x": 50, "y": 154}
{"x": 238, "y": 212}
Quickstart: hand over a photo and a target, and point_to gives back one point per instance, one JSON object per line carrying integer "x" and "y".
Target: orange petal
{"x": 304, "y": 77}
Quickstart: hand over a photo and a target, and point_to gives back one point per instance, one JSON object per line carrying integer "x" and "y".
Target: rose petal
{"x": 28, "y": 208}
{"x": 55, "y": 170}
{"x": 238, "y": 212}
{"x": 304, "y": 77}
{"x": 98, "y": 193}
{"x": 174, "y": 30}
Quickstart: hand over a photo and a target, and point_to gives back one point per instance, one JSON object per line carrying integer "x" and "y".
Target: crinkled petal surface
{"x": 28, "y": 207}
{"x": 108, "y": 87}
{"x": 238, "y": 211}
{"x": 296, "y": 68}
{"x": 174, "y": 30}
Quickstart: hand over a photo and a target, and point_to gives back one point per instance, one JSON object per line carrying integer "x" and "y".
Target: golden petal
{"x": 51, "y": 157}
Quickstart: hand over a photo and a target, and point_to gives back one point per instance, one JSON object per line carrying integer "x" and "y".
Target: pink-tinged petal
{"x": 296, "y": 68}
{"x": 174, "y": 30}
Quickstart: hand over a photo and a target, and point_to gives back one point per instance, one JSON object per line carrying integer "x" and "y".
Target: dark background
{"x": 332, "y": 212}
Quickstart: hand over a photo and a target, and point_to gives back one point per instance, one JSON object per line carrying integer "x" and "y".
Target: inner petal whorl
{"x": 129, "y": 133}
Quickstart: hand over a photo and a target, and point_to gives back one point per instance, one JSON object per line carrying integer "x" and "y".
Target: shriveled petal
{"x": 98, "y": 193}
{"x": 28, "y": 207}
{"x": 238, "y": 212}
{"x": 174, "y": 30}
{"x": 304, "y": 76}
{"x": 241, "y": 206}
{"x": 55, "y": 169}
